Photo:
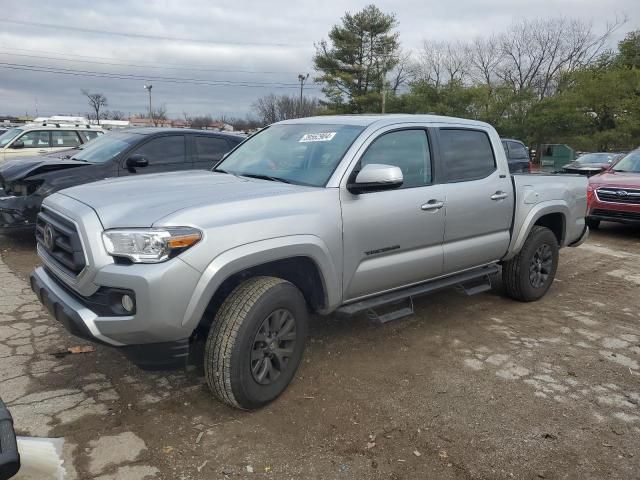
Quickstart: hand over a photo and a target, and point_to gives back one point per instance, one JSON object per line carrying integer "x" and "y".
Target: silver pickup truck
{"x": 341, "y": 214}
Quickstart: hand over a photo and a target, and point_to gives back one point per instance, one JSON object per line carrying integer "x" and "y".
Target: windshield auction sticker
{"x": 317, "y": 137}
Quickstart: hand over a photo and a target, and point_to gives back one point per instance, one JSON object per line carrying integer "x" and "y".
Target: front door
{"x": 33, "y": 143}
{"x": 393, "y": 238}
{"x": 164, "y": 154}
{"x": 479, "y": 200}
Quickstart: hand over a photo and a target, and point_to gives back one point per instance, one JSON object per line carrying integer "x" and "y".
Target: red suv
{"x": 614, "y": 195}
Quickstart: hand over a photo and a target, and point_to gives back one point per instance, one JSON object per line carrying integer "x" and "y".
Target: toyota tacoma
{"x": 340, "y": 215}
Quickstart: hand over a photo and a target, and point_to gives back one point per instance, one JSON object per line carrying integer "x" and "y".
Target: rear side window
{"x": 210, "y": 149}
{"x": 163, "y": 150}
{"x": 517, "y": 150}
{"x": 89, "y": 135}
{"x": 35, "y": 139}
{"x": 466, "y": 154}
{"x": 64, "y": 138}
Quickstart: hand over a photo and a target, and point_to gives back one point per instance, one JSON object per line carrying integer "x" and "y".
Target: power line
{"x": 123, "y": 76}
{"x": 138, "y": 65}
{"x": 138, "y": 35}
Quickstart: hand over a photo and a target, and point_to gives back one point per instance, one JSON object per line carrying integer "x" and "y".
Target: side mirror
{"x": 137, "y": 161}
{"x": 376, "y": 177}
{"x": 17, "y": 144}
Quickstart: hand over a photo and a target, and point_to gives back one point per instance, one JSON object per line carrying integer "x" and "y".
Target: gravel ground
{"x": 469, "y": 387}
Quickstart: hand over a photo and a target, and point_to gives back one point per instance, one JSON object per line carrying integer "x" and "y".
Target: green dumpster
{"x": 554, "y": 156}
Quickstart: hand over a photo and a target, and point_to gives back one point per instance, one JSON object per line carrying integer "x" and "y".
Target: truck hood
{"x": 616, "y": 179}
{"x": 142, "y": 201}
{"x": 30, "y": 166}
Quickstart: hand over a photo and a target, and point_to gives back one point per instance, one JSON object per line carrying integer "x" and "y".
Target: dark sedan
{"x": 24, "y": 183}
{"x": 592, "y": 163}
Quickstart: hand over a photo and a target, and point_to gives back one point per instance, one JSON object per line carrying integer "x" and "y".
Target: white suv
{"x": 44, "y": 138}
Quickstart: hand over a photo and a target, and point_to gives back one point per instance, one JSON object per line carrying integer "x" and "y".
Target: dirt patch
{"x": 479, "y": 387}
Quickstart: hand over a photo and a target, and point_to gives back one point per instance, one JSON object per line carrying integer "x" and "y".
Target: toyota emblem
{"x": 622, "y": 193}
{"x": 49, "y": 237}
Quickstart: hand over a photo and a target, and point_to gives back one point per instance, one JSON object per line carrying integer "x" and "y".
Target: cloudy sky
{"x": 230, "y": 52}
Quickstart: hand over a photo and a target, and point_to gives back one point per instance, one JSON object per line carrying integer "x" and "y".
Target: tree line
{"x": 541, "y": 80}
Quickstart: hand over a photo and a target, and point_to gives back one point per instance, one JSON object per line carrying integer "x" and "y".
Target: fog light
{"x": 127, "y": 303}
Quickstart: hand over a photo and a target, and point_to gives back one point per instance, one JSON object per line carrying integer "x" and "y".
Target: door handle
{"x": 499, "y": 196}
{"x": 42, "y": 151}
{"x": 432, "y": 205}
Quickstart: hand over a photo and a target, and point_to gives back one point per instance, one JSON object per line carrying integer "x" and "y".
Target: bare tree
{"x": 272, "y": 108}
{"x": 537, "y": 52}
{"x": 113, "y": 115}
{"x": 485, "y": 56}
{"x": 443, "y": 62}
{"x": 96, "y": 102}
{"x": 403, "y": 72}
{"x": 159, "y": 115}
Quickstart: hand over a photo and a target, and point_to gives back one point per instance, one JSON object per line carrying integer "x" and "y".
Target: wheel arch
{"x": 303, "y": 260}
{"x": 551, "y": 214}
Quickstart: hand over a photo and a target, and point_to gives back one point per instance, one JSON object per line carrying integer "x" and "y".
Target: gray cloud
{"x": 256, "y": 36}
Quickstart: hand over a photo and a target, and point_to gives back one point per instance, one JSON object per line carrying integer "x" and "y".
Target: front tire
{"x": 528, "y": 276}
{"x": 256, "y": 342}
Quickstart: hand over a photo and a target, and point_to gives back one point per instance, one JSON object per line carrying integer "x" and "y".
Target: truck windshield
{"x": 106, "y": 147}
{"x": 9, "y": 135}
{"x": 304, "y": 154}
{"x": 630, "y": 163}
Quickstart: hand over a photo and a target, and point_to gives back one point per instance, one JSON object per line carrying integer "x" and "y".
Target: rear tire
{"x": 528, "y": 276}
{"x": 256, "y": 342}
{"x": 592, "y": 223}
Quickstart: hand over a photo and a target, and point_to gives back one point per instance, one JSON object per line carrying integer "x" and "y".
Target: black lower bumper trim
{"x": 9, "y": 456}
{"x": 159, "y": 356}
{"x": 68, "y": 317}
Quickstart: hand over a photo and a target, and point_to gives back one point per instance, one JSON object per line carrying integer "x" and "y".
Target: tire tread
{"x": 224, "y": 334}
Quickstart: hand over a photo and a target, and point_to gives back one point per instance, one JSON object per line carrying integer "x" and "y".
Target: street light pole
{"x": 301, "y": 78}
{"x": 148, "y": 88}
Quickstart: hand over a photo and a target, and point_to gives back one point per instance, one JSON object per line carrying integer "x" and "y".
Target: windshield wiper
{"x": 264, "y": 177}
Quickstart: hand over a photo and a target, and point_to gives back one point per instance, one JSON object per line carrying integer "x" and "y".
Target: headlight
{"x": 150, "y": 245}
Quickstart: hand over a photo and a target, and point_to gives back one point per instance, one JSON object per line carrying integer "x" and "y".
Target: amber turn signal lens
{"x": 183, "y": 241}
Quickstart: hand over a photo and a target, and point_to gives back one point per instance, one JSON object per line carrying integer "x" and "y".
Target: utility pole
{"x": 148, "y": 87}
{"x": 301, "y": 78}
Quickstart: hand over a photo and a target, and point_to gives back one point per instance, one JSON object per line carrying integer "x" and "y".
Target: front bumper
{"x": 17, "y": 214}
{"x": 615, "y": 212}
{"x": 145, "y": 342}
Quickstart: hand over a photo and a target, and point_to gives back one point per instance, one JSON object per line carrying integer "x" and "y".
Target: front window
{"x": 106, "y": 147}
{"x": 630, "y": 163}
{"x": 304, "y": 154}
{"x": 591, "y": 158}
{"x": 9, "y": 135}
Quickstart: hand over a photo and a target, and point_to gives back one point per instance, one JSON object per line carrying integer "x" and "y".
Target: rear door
{"x": 393, "y": 238}
{"x": 208, "y": 150}
{"x": 164, "y": 153}
{"x": 478, "y": 198}
{"x": 64, "y": 140}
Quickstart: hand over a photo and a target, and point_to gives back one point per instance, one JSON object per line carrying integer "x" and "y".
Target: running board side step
{"x": 472, "y": 282}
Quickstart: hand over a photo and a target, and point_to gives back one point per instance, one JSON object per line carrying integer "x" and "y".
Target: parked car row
{"x": 26, "y": 182}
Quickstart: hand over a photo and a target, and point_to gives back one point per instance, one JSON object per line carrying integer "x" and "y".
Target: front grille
{"x": 619, "y": 195}
{"x": 617, "y": 214}
{"x": 59, "y": 238}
